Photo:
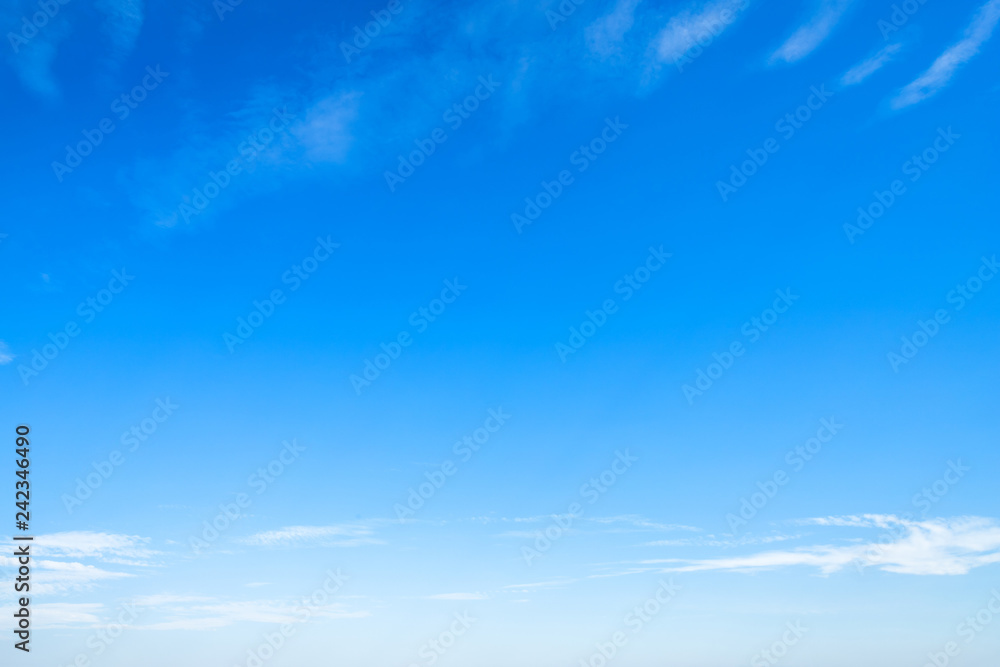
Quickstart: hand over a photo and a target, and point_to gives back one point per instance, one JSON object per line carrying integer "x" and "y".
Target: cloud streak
{"x": 869, "y": 66}
{"x": 330, "y": 536}
{"x": 684, "y": 29}
{"x": 810, "y": 35}
{"x": 947, "y": 64}
{"x": 936, "y": 547}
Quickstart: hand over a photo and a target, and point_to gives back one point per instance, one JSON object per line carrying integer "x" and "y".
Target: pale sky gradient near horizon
{"x": 702, "y": 290}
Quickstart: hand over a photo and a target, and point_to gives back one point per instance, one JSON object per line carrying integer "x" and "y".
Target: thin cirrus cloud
{"x": 59, "y": 577}
{"x": 605, "y": 35}
{"x": 58, "y": 559}
{"x": 123, "y": 21}
{"x": 107, "y": 547}
{"x": 68, "y": 614}
{"x": 6, "y": 356}
{"x": 33, "y": 60}
{"x": 811, "y": 34}
{"x": 184, "y": 615}
{"x": 459, "y": 596}
{"x": 933, "y": 547}
{"x": 330, "y": 536}
{"x": 946, "y": 65}
{"x": 684, "y": 29}
{"x": 870, "y": 65}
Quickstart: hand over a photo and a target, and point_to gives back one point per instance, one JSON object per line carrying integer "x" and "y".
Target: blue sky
{"x": 528, "y": 332}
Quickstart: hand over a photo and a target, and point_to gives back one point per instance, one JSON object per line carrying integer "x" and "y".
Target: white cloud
{"x": 605, "y": 35}
{"x": 943, "y": 69}
{"x": 123, "y": 22}
{"x": 187, "y": 616}
{"x": 67, "y": 614}
{"x": 54, "y": 577}
{"x": 107, "y": 547}
{"x": 811, "y": 34}
{"x": 5, "y": 355}
{"x": 685, "y": 28}
{"x": 459, "y": 596}
{"x": 639, "y": 523}
{"x": 625, "y": 523}
{"x": 869, "y": 66}
{"x": 33, "y": 61}
{"x": 330, "y": 536}
{"x": 325, "y": 132}
{"x": 725, "y": 542}
{"x": 527, "y": 588}
{"x": 933, "y": 547}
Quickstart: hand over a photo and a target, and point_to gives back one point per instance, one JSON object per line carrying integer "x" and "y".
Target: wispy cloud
{"x": 220, "y": 614}
{"x": 605, "y": 35}
{"x": 628, "y": 523}
{"x": 325, "y": 131}
{"x": 33, "y": 62}
{"x": 5, "y": 354}
{"x": 122, "y": 23}
{"x": 106, "y": 547}
{"x": 56, "y": 577}
{"x": 684, "y": 29}
{"x": 944, "y": 68}
{"x": 57, "y": 557}
{"x": 330, "y": 536}
{"x": 459, "y": 596}
{"x": 870, "y": 65}
{"x": 811, "y": 34}
{"x": 527, "y": 588}
{"x": 67, "y": 614}
{"x": 724, "y": 542}
{"x": 936, "y": 547}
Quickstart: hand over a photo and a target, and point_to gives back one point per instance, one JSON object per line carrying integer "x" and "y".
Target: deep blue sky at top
{"x": 657, "y": 185}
